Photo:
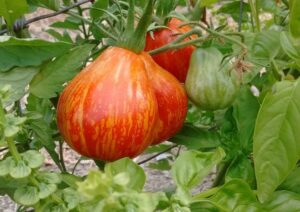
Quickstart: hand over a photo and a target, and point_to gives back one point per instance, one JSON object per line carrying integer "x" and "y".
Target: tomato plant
{"x": 100, "y": 82}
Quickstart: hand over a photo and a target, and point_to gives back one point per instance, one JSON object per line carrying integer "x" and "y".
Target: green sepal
{"x": 135, "y": 41}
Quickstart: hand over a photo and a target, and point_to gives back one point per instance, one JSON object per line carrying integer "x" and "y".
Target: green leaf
{"x": 292, "y": 182}
{"x": 136, "y": 173}
{"x": 206, "y": 206}
{"x": 294, "y": 22}
{"x": 289, "y": 48}
{"x": 28, "y": 52}
{"x": 33, "y": 158}
{"x": 12, "y": 10}
{"x": 21, "y": 170}
{"x": 98, "y": 5}
{"x": 68, "y": 23}
{"x": 192, "y": 166}
{"x": 26, "y": 195}
{"x": 50, "y": 79}
{"x": 269, "y": 6}
{"x": 5, "y": 166}
{"x": 10, "y": 131}
{"x": 241, "y": 168}
{"x": 265, "y": 44}
{"x": 97, "y": 184}
{"x": 49, "y": 4}
{"x": 283, "y": 201}
{"x": 196, "y": 138}
{"x": 164, "y": 7}
{"x": 156, "y": 148}
{"x": 163, "y": 164}
{"x": 46, "y": 189}
{"x": 43, "y": 134}
{"x": 206, "y": 3}
{"x": 233, "y": 194}
{"x": 245, "y": 111}
{"x": 276, "y": 137}
{"x": 71, "y": 198}
{"x": 70, "y": 180}
{"x": 233, "y": 9}
{"x": 49, "y": 177}
{"x": 18, "y": 78}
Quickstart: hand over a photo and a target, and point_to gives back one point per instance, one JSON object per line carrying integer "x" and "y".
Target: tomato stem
{"x": 173, "y": 45}
{"x": 218, "y": 34}
{"x": 13, "y": 149}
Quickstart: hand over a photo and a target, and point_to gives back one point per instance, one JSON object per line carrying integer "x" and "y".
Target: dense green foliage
{"x": 252, "y": 140}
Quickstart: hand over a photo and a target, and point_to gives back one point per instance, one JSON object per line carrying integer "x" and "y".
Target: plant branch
{"x": 176, "y": 46}
{"x": 221, "y": 174}
{"x": 241, "y": 15}
{"x": 38, "y": 18}
{"x": 61, "y": 156}
{"x": 218, "y": 34}
{"x": 154, "y": 156}
{"x": 13, "y": 149}
{"x": 76, "y": 164}
{"x": 82, "y": 23}
{"x": 255, "y": 14}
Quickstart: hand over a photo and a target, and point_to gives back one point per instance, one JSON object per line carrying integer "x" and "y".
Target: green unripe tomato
{"x": 211, "y": 84}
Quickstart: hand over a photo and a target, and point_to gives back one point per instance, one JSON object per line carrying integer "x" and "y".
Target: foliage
{"x": 252, "y": 143}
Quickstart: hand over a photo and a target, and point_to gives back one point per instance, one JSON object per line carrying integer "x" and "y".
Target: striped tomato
{"x": 175, "y": 61}
{"x": 119, "y": 105}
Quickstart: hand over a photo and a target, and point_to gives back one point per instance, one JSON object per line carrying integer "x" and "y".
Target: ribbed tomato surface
{"x": 119, "y": 105}
{"x": 174, "y": 61}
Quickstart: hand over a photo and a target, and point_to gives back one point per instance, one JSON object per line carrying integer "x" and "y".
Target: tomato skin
{"x": 174, "y": 61}
{"x": 211, "y": 84}
{"x": 171, "y": 98}
{"x": 110, "y": 110}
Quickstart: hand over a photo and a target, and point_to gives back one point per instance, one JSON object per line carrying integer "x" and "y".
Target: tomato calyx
{"x": 134, "y": 38}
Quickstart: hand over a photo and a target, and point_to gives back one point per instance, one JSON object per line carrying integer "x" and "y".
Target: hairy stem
{"x": 13, "y": 149}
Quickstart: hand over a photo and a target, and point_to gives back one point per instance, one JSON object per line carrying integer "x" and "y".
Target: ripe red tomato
{"x": 174, "y": 61}
{"x": 119, "y": 105}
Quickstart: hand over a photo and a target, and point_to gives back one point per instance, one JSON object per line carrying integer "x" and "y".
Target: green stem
{"x": 241, "y": 15}
{"x": 100, "y": 164}
{"x": 61, "y": 156}
{"x": 275, "y": 70}
{"x": 13, "y": 149}
{"x": 104, "y": 31}
{"x": 82, "y": 23}
{"x": 196, "y": 11}
{"x": 176, "y": 46}
{"x": 206, "y": 193}
{"x": 135, "y": 41}
{"x": 218, "y": 34}
{"x": 255, "y": 14}
{"x": 221, "y": 174}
